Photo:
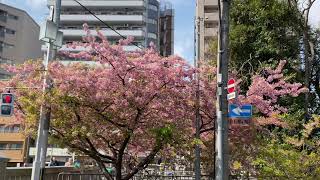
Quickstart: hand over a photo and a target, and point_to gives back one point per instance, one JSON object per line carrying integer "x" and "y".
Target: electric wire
{"x": 93, "y": 14}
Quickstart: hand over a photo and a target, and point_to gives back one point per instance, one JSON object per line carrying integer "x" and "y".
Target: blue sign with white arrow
{"x": 244, "y": 111}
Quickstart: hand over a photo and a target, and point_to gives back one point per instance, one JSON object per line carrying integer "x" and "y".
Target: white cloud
{"x": 184, "y": 47}
{"x": 36, "y": 3}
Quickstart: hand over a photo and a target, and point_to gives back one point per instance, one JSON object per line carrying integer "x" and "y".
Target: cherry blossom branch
{"x": 147, "y": 160}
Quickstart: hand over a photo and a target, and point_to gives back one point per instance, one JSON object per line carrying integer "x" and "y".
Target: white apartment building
{"x": 207, "y": 15}
{"x": 136, "y": 18}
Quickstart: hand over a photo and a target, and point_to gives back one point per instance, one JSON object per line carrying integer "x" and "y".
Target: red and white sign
{"x": 231, "y": 89}
{"x": 231, "y": 85}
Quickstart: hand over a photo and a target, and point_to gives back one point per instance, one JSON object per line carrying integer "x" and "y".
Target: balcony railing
{"x": 103, "y": 12}
{"x": 108, "y": 18}
{"x": 129, "y": 27}
{"x": 101, "y": 3}
{"x": 107, "y": 33}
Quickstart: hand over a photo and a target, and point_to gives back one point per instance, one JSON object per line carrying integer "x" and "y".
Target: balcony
{"x": 12, "y": 137}
{"x": 77, "y": 33}
{"x": 106, "y": 18}
{"x": 211, "y": 3}
{"x": 13, "y": 155}
{"x": 209, "y": 32}
{"x": 211, "y": 17}
{"x": 101, "y": 3}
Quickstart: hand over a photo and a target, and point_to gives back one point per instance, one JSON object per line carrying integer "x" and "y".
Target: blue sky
{"x": 184, "y": 17}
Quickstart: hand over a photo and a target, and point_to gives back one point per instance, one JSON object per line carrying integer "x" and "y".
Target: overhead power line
{"x": 93, "y": 14}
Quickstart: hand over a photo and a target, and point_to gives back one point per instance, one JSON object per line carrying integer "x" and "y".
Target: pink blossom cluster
{"x": 265, "y": 92}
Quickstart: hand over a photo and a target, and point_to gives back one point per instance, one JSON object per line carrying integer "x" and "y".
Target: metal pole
{"x": 197, "y": 105}
{"x": 45, "y": 110}
{"x": 222, "y": 164}
{"x": 41, "y": 149}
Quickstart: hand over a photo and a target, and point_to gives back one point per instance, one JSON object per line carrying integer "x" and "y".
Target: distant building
{"x": 13, "y": 143}
{"x": 136, "y": 18}
{"x": 19, "y": 37}
{"x": 208, "y": 15}
{"x": 166, "y": 28}
{"x": 141, "y": 19}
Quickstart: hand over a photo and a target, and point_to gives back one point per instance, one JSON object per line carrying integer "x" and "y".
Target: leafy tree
{"x": 280, "y": 161}
{"x": 261, "y": 34}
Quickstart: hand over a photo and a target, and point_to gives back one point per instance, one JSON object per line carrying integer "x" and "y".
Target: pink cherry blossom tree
{"x": 123, "y": 111}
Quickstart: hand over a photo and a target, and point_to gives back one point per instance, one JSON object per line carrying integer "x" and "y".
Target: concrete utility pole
{"x": 222, "y": 159}
{"x": 45, "y": 110}
{"x": 197, "y": 162}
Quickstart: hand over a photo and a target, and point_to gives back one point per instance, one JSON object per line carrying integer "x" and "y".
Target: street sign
{"x": 231, "y": 86}
{"x": 239, "y": 122}
{"x": 244, "y": 111}
{"x": 231, "y": 96}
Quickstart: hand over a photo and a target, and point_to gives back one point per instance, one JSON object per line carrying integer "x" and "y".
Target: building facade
{"x": 19, "y": 41}
{"x": 136, "y": 18}
{"x": 166, "y": 28}
{"x": 13, "y": 143}
{"x": 206, "y": 27}
{"x": 19, "y": 37}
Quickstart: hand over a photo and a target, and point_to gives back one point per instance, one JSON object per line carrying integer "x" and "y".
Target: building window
{"x": 10, "y": 16}
{"x": 136, "y": 28}
{"x": 152, "y": 35}
{"x": 9, "y": 129}
{"x": 210, "y": 9}
{"x": 2, "y": 31}
{"x": 13, "y": 146}
{"x": 10, "y": 31}
{"x": 71, "y": 27}
{"x": 6, "y": 45}
{"x": 152, "y": 21}
{"x": 153, "y": 7}
{"x": 2, "y": 126}
{"x": 3, "y": 16}
{"x": 5, "y": 60}
{"x": 211, "y": 24}
{"x": 3, "y": 146}
{"x": 4, "y": 77}
{"x": 17, "y": 146}
{"x": 16, "y": 128}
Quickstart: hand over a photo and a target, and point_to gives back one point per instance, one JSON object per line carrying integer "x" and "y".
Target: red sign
{"x": 231, "y": 86}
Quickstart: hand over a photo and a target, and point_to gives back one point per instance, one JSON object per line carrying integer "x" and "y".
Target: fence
{"x": 24, "y": 173}
{"x": 78, "y": 176}
{"x": 70, "y": 173}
